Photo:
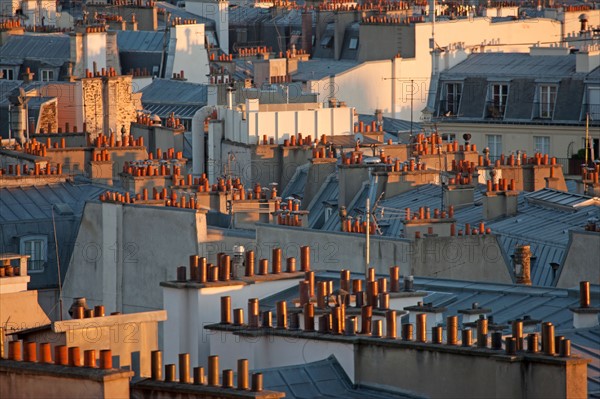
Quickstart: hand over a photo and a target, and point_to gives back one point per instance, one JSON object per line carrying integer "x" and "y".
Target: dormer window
{"x": 7, "y": 74}
{"x": 327, "y": 41}
{"x": 547, "y": 101}
{"x": 47, "y": 75}
{"x": 498, "y": 95}
{"x": 453, "y": 93}
{"x": 593, "y": 103}
{"x": 36, "y": 246}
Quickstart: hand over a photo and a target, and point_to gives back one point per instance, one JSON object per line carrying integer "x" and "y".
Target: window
{"x": 541, "y": 144}
{"x": 46, "y": 75}
{"x": 453, "y": 94}
{"x": 328, "y": 213}
{"x": 449, "y": 137}
{"x": 593, "y": 146}
{"x": 36, "y": 246}
{"x": 7, "y": 74}
{"x": 498, "y": 97}
{"x": 593, "y": 103}
{"x": 353, "y": 43}
{"x": 326, "y": 41}
{"x": 547, "y": 101}
{"x": 494, "y": 143}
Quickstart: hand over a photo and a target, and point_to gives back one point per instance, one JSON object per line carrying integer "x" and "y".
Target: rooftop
{"x": 52, "y": 48}
{"x": 513, "y": 65}
{"x": 317, "y": 69}
{"x": 554, "y": 212}
{"x": 140, "y": 41}
{"x": 323, "y": 379}
{"x": 171, "y": 92}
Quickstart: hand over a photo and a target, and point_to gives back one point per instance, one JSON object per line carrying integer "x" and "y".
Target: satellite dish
{"x": 358, "y": 138}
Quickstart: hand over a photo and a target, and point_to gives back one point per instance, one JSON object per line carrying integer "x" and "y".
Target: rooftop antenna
{"x": 432, "y": 10}
{"x": 368, "y": 241}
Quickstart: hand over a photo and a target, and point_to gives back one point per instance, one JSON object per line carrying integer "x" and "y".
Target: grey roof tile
{"x": 52, "y": 48}
{"x": 168, "y": 91}
{"x": 317, "y": 69}
{"x": 321, "y": 379}
{"x": 512, "y": 65}
{"x": 140, "y": 41}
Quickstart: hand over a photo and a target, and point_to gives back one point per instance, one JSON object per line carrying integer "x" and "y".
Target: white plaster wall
{"x": 36, "y": 10}
{"x": 94, "y": 50}
{"x": 192, "y": 309}
{"x": 218, "y": 11}
{"x": 122, "y": 254}
{"x": 279, "y": 125}
{"x": 187, "y": 53}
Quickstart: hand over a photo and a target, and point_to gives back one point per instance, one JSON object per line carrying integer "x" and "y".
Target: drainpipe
{"x": 198, "y": 151}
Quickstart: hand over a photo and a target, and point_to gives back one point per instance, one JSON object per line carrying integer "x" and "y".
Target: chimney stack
{"x": 585, "y": 316}
{"x": 522, "y": 264}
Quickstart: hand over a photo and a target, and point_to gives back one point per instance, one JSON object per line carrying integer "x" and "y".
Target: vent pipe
{"x": 422, "y": 327}
{"x": 452, "y": 330}
{"x": 309, "y": 317}
{"x": 305, "y": 259}
{"x": 253, "y": 313}
{"x": 227, "y": 379}
{"x": 213, "y": 370}
{"x": 257, "y": 382}
{"x": 156, "y": 365}
{"x": 184, "y": 368}
{"x": 548, "y": 339}
{"x": 242, "y": 374}
{"x": 436, "y": 334}
{"x": 532, "y": 343}
{"x": 169, "y": 373}
{"x": 365, "y": 316}
{"x": 199, "y": 376}
{"x": 482, "y": 332}
{"x": 390, "y": 324}
{"x": 225, "y": 310}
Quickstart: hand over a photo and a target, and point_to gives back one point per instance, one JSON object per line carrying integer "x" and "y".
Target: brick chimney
{"x": 522, "y": 264}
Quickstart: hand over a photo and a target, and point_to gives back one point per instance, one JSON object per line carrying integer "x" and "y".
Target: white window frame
{"x": 47, "y": 73}
{"x": 592, "y": 107}
{"x": 449, "y": 137}
{"x": 8, "y": 73}
{"x": 456, "y": 93}
{"x": 541, "y": 144}
{"x": 500, "y": 98}
{"x": 547, "y": 100}
{"x": 494, "y": 143}
{"x": 40, "y": 258}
